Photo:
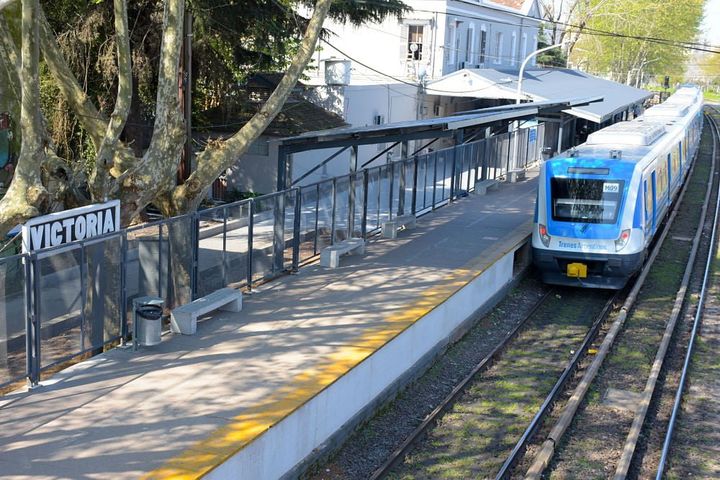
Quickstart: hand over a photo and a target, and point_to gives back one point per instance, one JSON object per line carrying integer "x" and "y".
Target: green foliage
{"x": 625, "y": 59}
{"x": 711, "y": 67}
{"x": 552, "y": 58}
{"x": 232, "y": 40}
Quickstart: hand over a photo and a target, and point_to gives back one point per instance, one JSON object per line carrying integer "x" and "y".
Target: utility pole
{"x": 186, "y": 93}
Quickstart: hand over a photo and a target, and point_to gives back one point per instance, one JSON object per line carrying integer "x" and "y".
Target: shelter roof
{"x": 542, "y": 84}
{"x": 427, "y": 128}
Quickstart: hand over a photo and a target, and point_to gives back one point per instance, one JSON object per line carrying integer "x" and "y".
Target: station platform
{"x": 254, "y": 394}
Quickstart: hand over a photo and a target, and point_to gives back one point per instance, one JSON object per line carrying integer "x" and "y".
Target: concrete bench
{"x": 390, "y": 227}
{"x": 515, "y": 176}
{"x": 183, "y": 319}
{"x": 482, "y": 187}
{"x": 330, "y": 256}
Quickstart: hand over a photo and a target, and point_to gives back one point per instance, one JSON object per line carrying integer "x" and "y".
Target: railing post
{"x": 224, "y": 248}
{"x": 392, "y": 185}
{"x": 401, "y": 189}
{"x": 160, "y": 260}
{"x": 332, "y": 210}
{"x": 123, "y": 288}
{"x": 402, "y": 183}
{"x": 413, "y": 206}
{"x": 453, "y": 173}
{"x": 278, "y": 264}
{"x": 435, "y": 155}
{"x": 351, "y": 190}
{"x": 251, "y": 222}
{"x": 34, "y": 333}
{"x": 527, "y": 147}
{"x": 296, "y": 230}
{"x": 363, "y": 227}
{"x": 83, "y": 299}
{"x": 195, "y": 253}
{"x": 317, "y": 218}
{"x": 507, "y": 163}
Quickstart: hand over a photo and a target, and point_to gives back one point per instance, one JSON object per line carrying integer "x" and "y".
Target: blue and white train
{"x": 599, "y": 206}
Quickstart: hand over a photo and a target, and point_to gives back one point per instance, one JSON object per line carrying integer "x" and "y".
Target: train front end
{"x": 588, "y": 228}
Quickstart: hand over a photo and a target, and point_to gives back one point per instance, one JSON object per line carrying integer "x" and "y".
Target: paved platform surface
{"x": 181, "y": 406}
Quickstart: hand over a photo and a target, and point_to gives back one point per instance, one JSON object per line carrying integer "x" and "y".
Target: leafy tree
{"x": 627, "y": 59}
{"x": 554, "y": 57}
{"x": 142, "y": 63}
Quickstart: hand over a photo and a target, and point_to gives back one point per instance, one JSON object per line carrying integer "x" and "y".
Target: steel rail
{"x": 696, "y": 324}
{"x": 633, "y": 436}
{"x": 486, "y": 362}
{"x": 547, "y": 449}
{"x": 519, "y": 448}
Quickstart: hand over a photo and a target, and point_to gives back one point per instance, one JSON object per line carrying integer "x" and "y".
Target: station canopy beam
{"x": 432, "y": 128}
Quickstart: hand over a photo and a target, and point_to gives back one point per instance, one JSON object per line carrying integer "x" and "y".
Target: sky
{"x": 711, "y": 22}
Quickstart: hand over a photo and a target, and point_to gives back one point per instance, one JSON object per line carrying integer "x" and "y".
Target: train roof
{"x": 632, "y": 141}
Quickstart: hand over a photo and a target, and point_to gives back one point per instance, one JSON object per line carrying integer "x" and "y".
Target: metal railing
{"x": 75, "y": 299}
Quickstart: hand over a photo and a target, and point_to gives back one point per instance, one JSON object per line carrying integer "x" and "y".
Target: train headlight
{"x": 544, "y": 237}
{"x": 622, "y": 240}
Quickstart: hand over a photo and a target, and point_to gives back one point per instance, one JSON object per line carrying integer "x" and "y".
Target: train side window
{"x": 675, "y": 154}
{"x": 662, "y": 180}
{"x": 648, "y": 206}
{"x": 680, "y": 152}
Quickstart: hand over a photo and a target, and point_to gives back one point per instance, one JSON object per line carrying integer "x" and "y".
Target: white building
{"x": 374, "y": 73}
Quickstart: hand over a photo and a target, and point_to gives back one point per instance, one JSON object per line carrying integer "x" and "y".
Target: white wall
{"x": 255, "y": 173}
{"x": 382, "y": 48}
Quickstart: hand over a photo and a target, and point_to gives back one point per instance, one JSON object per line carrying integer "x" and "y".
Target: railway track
{"x": 705, "y": 286}
{"x": 506, "y": 392}
{"x": 421, "y": 466}
{"x": 598, "y": 436}
{"x": 470, "y": 434}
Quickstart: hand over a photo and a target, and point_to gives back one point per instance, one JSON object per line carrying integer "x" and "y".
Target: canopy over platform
{"x": 543, "y": 84}
{"x": 402, "y": 132}
{"x": 428, "y": 128}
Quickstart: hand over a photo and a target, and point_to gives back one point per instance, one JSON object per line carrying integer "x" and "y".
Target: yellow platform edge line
{"x": 226, "y": 441}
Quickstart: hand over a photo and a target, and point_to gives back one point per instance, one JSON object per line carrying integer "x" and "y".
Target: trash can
{"x": 147, "y": 323}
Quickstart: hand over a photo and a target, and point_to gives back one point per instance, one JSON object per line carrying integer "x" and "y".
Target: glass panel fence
{"x": 236, "y": 243}
{"x": 13, "y": 318}
{"x": 59, "y": 284}
{"x": 309, "y": 198}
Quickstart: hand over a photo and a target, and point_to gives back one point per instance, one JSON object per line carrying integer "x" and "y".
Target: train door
{"x": 649, "y": 186}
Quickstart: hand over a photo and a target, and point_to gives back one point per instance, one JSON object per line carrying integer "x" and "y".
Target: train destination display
{"x": 71, "y": 225}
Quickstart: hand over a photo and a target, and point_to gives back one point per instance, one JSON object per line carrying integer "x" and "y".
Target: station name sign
{"x": 71, "y": 225}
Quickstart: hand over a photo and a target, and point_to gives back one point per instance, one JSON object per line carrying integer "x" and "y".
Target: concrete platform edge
{"x": 329, "y": 447}
{"x": 281, "y": 450}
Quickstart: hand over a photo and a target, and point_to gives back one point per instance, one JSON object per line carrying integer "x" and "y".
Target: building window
{"x": 457, "y": 40}
{"x": 483, "y": 45}
{"x": 470, "y": 45}
{"x": 452, "y": 33}
{"x": 415, "y": 42}
{"x": 513, "y": 51}
{"x": 499, "y": 37}
{"x": 524, "y": 47}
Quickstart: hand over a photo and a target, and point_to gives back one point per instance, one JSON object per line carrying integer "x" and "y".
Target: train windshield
{"x": 585, "y": 200}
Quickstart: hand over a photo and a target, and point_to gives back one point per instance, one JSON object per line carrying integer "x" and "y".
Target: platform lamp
{"x": 516, "y": 124}
{"x": 527, "y": 59}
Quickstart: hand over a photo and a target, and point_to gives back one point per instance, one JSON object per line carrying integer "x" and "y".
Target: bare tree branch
{"x": 99, "y": 180}
{"x": 217, "y": 158}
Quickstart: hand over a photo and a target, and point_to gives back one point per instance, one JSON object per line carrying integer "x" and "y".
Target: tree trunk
{"x": 26, "y": 192}
{"x": 100, "y": 178}
{"x": 215, "y": 159}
